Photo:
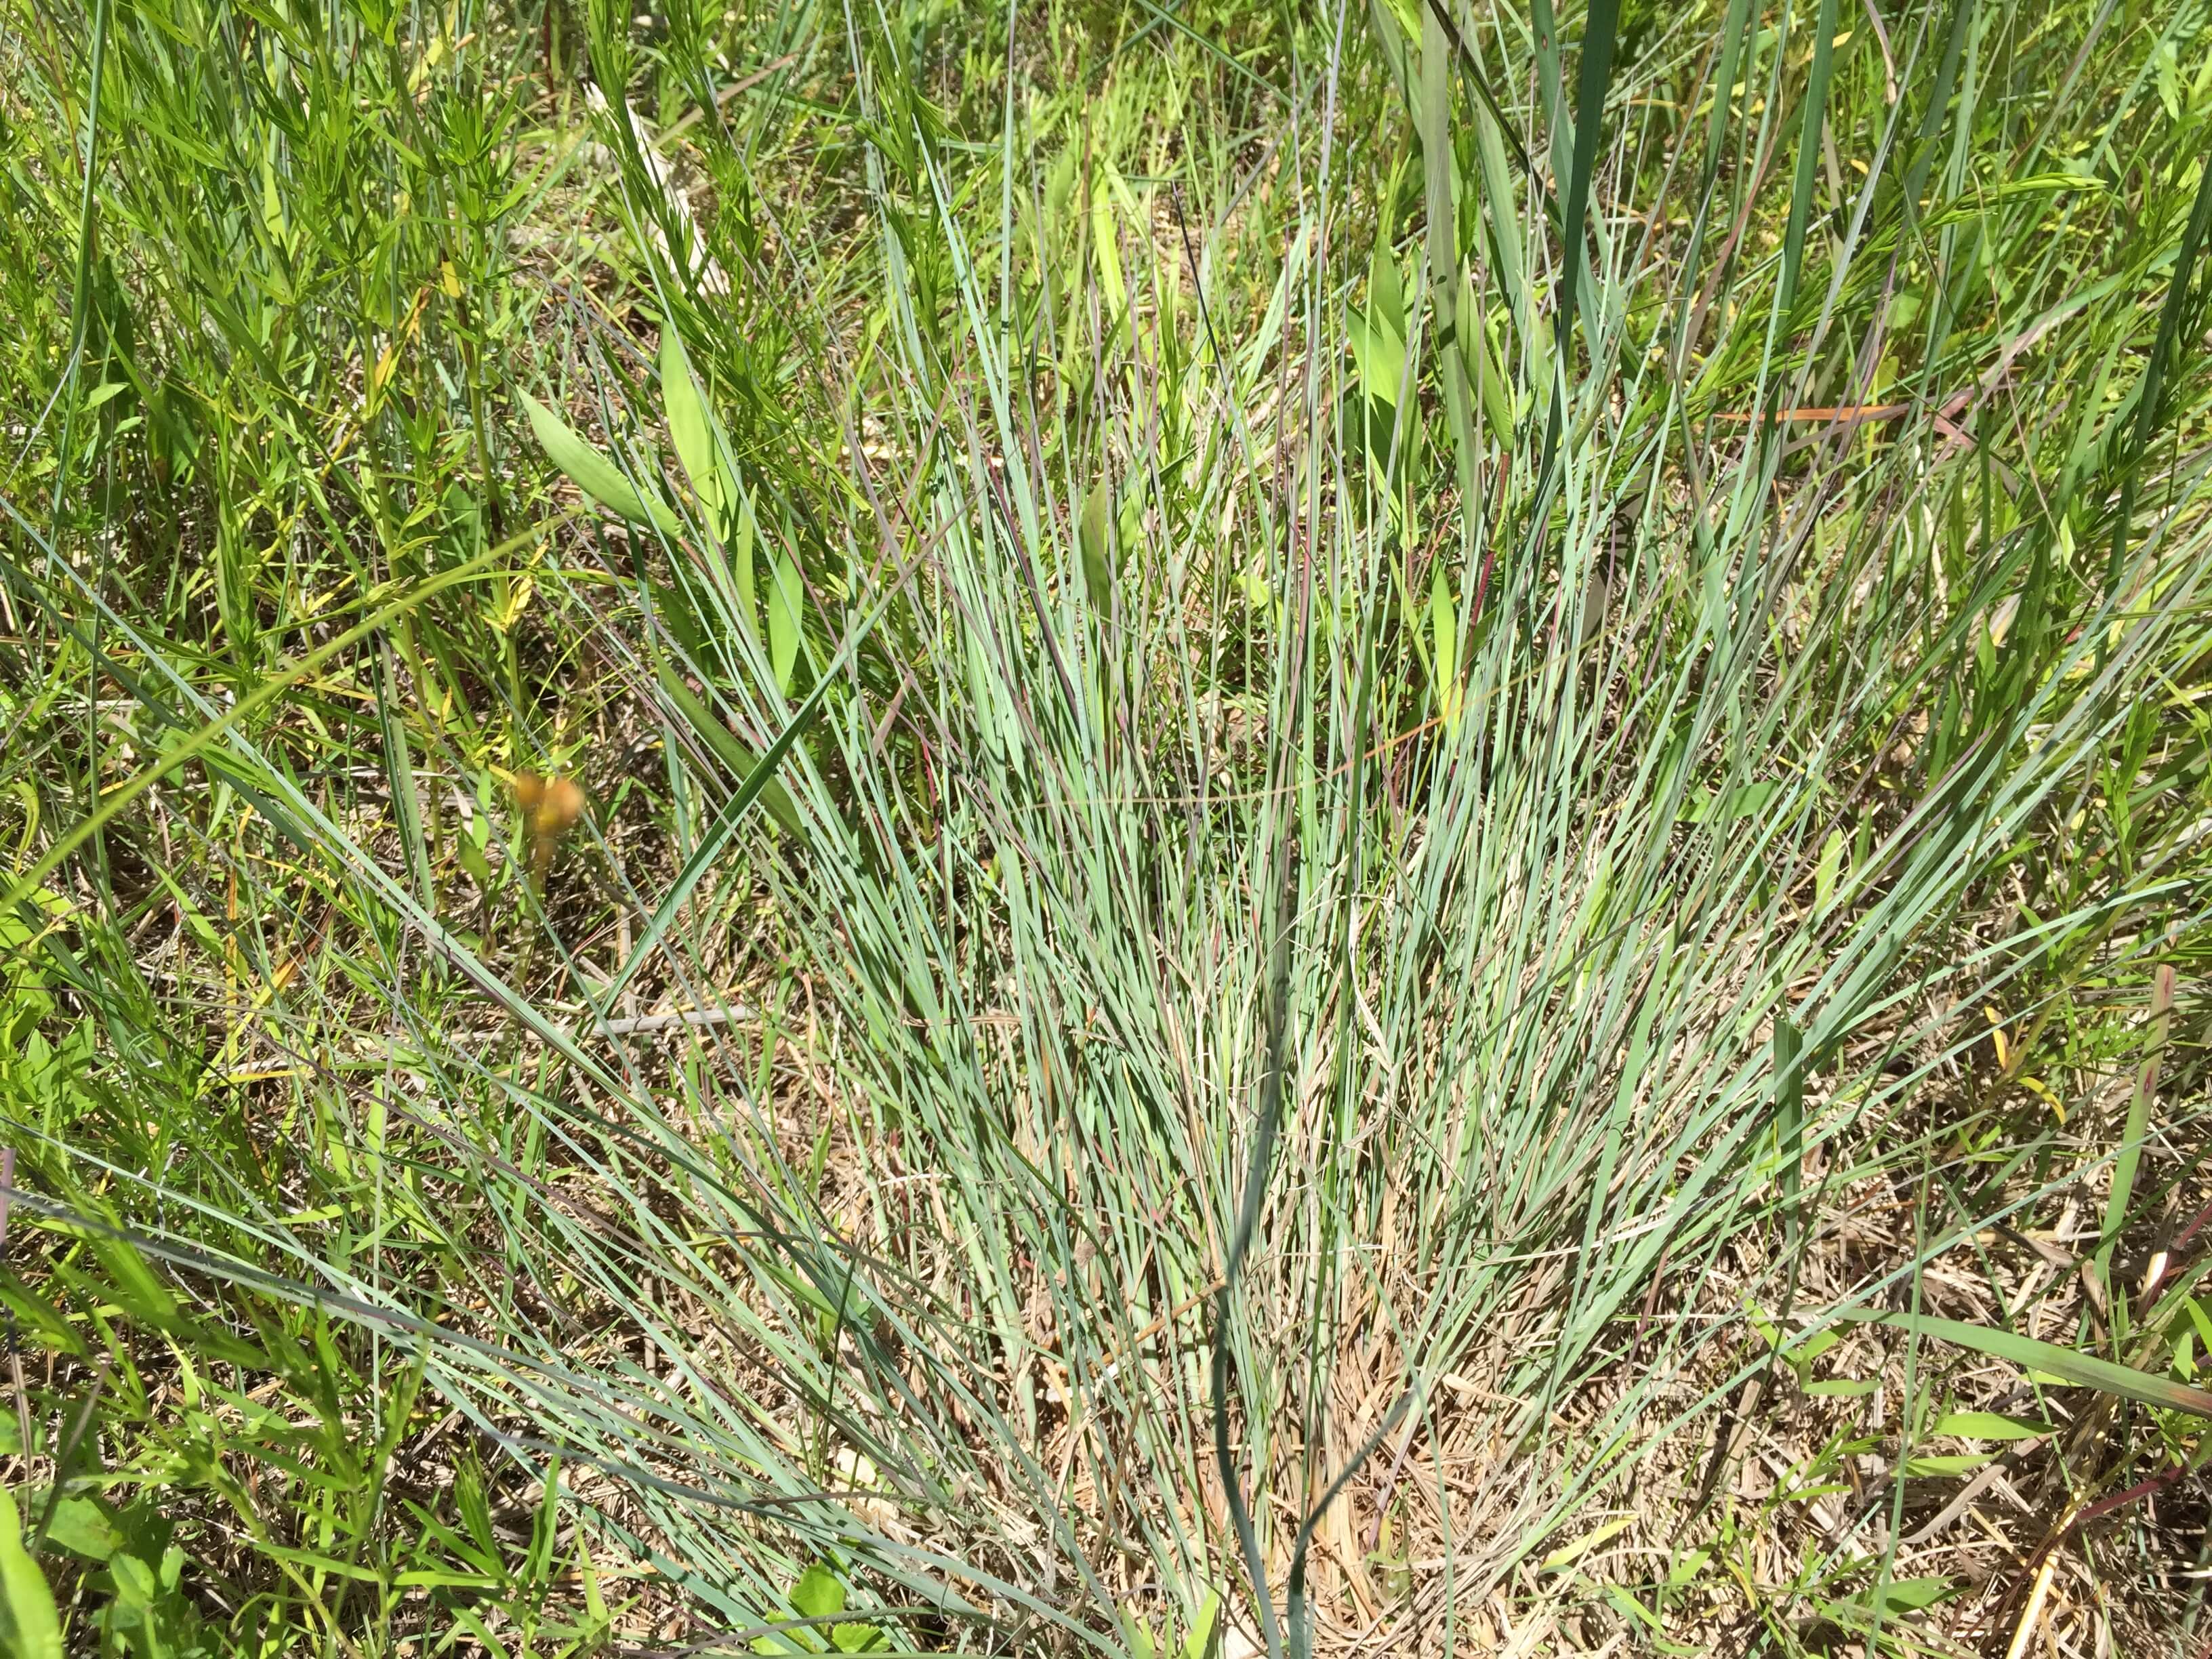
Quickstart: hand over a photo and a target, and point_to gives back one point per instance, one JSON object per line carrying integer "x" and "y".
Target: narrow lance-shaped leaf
{"x": 785, "y": 592}
{"x": 1491, "y": 389}
{"x": 1094, "y": 534}
{"x": 1444, "y": 628}
{"x": 1789, "y": 1115}
{"x": 694, "y": 430}
{"x": 590, "y": 471}
{"x": 728, "y": 748}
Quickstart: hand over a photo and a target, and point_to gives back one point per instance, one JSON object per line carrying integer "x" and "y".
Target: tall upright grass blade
{"x": 2150, "y": 406}
{"x": 1252, "y": 1020}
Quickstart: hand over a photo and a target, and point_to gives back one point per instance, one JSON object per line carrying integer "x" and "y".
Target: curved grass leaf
{"x": 2081, "y": 1369}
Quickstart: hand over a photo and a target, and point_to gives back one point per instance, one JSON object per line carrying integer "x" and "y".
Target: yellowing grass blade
{"x": 1567, "y": 1554}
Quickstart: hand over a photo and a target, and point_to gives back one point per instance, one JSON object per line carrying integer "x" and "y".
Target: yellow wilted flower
{"x": 551, "y": 807}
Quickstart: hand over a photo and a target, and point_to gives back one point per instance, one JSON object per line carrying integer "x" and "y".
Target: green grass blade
{"x": 2080, "y": 1370}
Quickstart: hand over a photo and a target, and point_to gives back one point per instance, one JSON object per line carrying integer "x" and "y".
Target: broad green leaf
{"x": 1824, "y": 873}
{"x": 2043, "y": 183}
{"x": 1632, "y": 1607}
{"x": 1492, "y": 390}
{"x": 1386, "y": 292}
{"x": 595, "y": 1602}
{"x": 2134, "y": 1132}
{"x": 1444, "y": 643}
{"x": 1379, "y": 354}
{"x": 786, "y": 600}
{"x": 399, "y": 766}
{"x": 743, "y": 583}
{"x": 1812, "y": 112}
{"x": 1805, "y": 1353}
{"x": 1944, "y": 1466}
{"x": 1747, "y": 802}
{"x": 590, "y": 471}
{"x": 1889, "y": 1601}
{"x": 2068, "y": 1366}
{"x": 1105, "y": 242}
{"x": 1201, "y": 1642}
{"x": 29, "y": 1626}
{"x": 132, "y": 1285}
{"x": 131, "y": 1281}
{"x": 136, "y": 1586}
{"x": 437, "y": 1578}
{"x": 469, "y": 849}
{"x": 819, "y": 1593}
{"x": 1095, "y": 533}
{"x": 1988, "y": 1425}
{"x": 1600, "y": 26}
{"x": 35, "y": 1318}
{"x": 84, "y": 1527}
{"x": 693, "y": 429}
{"x": 1721, "y": 809}
{"x": 1909, "y": 1594}
{"x": 806, "y": 1290}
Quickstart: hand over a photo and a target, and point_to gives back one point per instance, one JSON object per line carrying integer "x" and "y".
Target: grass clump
{"x": 1107, "y": 829}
